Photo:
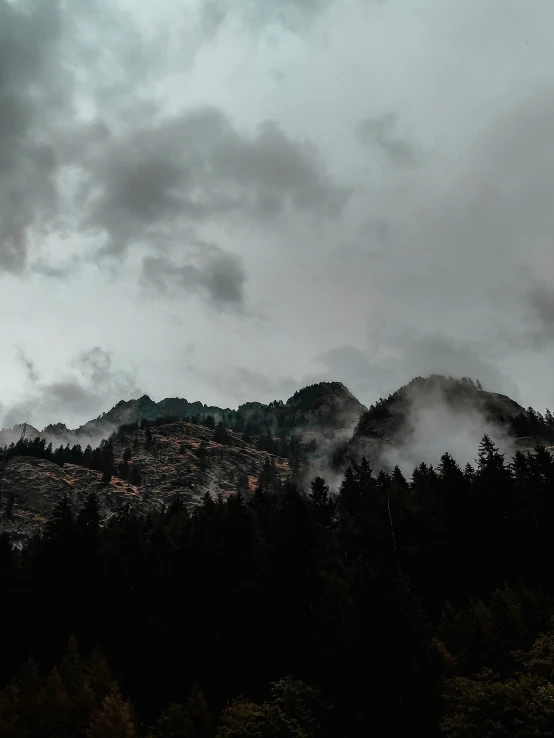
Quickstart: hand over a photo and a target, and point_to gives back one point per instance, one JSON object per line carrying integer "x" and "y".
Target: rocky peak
{"x": 12, "y": 435}
{"x": 327, "y": 403}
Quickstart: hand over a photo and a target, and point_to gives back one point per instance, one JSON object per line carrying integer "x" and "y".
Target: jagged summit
{"x": 12, "y": 435}
{"x": 329, "y": 404}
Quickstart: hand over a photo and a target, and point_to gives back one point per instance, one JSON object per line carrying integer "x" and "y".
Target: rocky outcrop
{"x": 184, "y": 458}
{"x": 180, "y": 459}
{"x": 30, "y": 488}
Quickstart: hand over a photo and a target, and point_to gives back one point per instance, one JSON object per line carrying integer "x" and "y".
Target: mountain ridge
{"x": 144, "y": 408}
{"x": 175, "y": 448}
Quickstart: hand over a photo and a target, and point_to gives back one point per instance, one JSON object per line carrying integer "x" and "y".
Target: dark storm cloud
{"x": 379, "y": 132}
{"x": 94, "y": 383}
{"x": 218, "y": 275}
{"x": 33, "y": 94}
{"x": 149, "y": 183}
{"x": 196, "y": 168}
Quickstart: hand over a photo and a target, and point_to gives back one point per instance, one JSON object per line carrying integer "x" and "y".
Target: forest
{"x": 419, "y": 605}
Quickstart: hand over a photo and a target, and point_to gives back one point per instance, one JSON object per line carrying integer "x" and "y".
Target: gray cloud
{"x": 379, "y": 131}
{"x": 93, "y": 383}
{"x": 34, "y": 93}
{"x": 198, "y": 167}
{"x": 218, "y": 275}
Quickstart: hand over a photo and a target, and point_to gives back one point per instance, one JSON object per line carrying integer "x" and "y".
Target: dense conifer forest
{"x": 421, "y": 606}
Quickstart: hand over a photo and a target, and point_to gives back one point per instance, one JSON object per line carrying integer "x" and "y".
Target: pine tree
{"x": 12, "y": 724}
{"x": 198, "y": 715}
{"x": 243, "y": 719}
{"x": 112, "y": 719}
{"x": 99, "y": 676}
{"x": 60, "y": 527}
{"x": 88, "y": 519}
{"x": 75, "y": 678}
{"x": 172, "y": 723}
{"x": 221, "y": 434}
{"x": 27, "y": 692}
{"x": 319, "y": 494}
{"x": 148, "y": 435}
{"x": 55, "y": 706}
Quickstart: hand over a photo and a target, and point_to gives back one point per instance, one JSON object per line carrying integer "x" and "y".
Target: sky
{"x": 228, "y": 201}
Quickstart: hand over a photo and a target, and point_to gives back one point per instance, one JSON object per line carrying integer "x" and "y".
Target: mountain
{"x": 431, "y": 415}
{"x": 460, "y": 396}
{"x": 175, "y": 448}
{"x": 388, "y": 419}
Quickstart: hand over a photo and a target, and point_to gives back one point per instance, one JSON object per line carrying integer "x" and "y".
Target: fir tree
{"x": 112, "y": 719}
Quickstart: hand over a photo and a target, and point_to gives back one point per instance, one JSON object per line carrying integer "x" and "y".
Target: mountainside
{"x": 174, "y": 460}
{"x": 444, "y": 409}
{"x": 388, "y": 415}
{"x": 174, "y": 448}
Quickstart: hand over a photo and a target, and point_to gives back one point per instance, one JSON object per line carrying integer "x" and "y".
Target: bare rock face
{"x": 181, "y": 459}
{"x": 30, "y": 489}
{"x": 184, "y": 458}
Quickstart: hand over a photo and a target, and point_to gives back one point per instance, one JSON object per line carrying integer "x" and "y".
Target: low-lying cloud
{"x": 434, "y": 427}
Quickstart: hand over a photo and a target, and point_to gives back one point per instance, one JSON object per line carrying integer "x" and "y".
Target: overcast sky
{"x": 227, "y": 201}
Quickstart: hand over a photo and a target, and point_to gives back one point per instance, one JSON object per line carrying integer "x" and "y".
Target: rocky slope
{"x": 31, "y": 487}
{"x": 181, "y": 459}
